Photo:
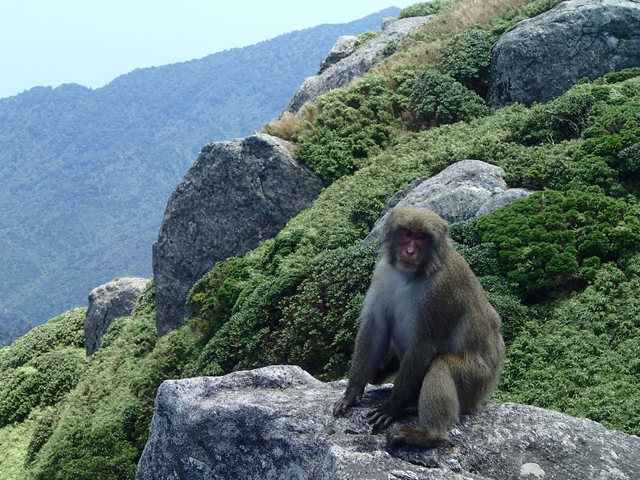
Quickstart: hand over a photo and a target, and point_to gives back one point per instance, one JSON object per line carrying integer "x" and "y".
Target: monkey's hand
{"x": 381, "y": 417}
{"x": 349, "y": 399}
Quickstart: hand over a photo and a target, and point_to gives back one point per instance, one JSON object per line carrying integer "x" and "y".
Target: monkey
{"x": 426, "y": 317}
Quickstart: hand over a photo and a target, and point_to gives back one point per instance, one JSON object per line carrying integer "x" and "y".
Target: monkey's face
{"x": 412, "y": 247}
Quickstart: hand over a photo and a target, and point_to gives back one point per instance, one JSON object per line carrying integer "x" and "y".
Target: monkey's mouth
{"x": 406, "y": 265}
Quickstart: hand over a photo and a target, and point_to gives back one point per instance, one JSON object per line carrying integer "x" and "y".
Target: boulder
{"x": 353, "y": 66}
{"x": 544, "y": 56}
{"x": 343, "y": 47}
{"x": 276, "y": 422}
{"x": 107, "y": 302}
{"x": 236, "y": 194}
{"x": 464, "y": 190}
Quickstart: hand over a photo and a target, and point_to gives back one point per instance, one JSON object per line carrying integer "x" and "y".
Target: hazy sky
{"x": 90, "y": 42}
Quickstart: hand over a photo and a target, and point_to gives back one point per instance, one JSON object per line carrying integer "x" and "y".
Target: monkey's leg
{"x": 439, "y": 404}
{"x": 388, "y": 367}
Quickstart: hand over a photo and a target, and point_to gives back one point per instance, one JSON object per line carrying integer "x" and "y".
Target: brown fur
{"x": 437, "y": 323}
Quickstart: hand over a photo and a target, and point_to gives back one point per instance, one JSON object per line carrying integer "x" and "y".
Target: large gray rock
{"x": 276, "y": 423}
{"x": 343, "y": 47}
{"x": 236, "y": 194}
{"x": 107, "y": 302}
{"x": 464, "y": 190}
{"x": 353, "y": 66}
{"x": 544, "y": 56}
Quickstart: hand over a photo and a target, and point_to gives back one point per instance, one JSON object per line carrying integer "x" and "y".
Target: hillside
{"x": 86, "y": 173}
{"x": 562, "y": 267}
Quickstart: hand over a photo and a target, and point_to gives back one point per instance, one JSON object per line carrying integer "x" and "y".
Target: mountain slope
{"x": 86, "y": 173}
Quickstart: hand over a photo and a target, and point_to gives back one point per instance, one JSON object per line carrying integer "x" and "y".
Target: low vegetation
{"x": 562, "y": 267}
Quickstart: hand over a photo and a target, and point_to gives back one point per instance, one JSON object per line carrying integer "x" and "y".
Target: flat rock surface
{"x": 276, "y": 423}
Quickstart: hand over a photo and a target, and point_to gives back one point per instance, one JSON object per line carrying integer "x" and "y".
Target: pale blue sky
{"x": 90, "y": 42}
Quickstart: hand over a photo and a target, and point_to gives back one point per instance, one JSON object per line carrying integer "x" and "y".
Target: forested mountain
{"x": 86, "y": 173}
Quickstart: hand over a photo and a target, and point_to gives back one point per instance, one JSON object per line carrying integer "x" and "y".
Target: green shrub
{"x": 212, "y": 298}
{"x": 630, "y": 160}
{"x": 621, "y": 76}
{"x": 350, "y": 125}
{"x": 560, "y": 119}
{"x": 581, "y": 172}
{"x": 172, "y": 355}
{"x": 552, "y": 240}
{"x": 365, "y": 37}
{"x": 580, "y": 355}
{"x": 283, "y": 245}
{"x": 242, "y": 342}
{"x": 146, "y": 303}
{"x": 484, "y": 263}
{"x": 508, "y": 304}
{"x": 44, "y": 380}
{"x": 482, "y": 258}
{"x": 91, "y": 453}
{"x": 41, "y": 432}
{"x": 14, "y": 440}
{"x": 319, "y": 321}
{"x": 465, "y": 232}
{"x": 100, "y": 428}
{"x": 422, "y": 9}
{"x": 605, "y": 158}
{"x": 66, "y": 330}
{"x": 438, "y": 99}
{"x": 466, "y": 57}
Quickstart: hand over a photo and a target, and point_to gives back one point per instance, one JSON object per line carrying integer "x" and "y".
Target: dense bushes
{"x": 306, "y": 317}
{"x": 555, "y": 240}
{"x": 484, "y": 262}
{"x": 438, "y": 99}
{"x": 101, "y": 427}
{"x": 42, "y": 366}
{"x": 353, "y": 124}
{"x": 42, "y": 381}
{"x": 557, "y": 120}
{"x": 59, "y": 332}
{"x": 350, "y": 125}
{"x": 466, "y": 57}
{"x": 320, "y": 320}
{"x": 422, "y": 9}
{"x": 212, "y": 298}
{"x": 582, "y": 359}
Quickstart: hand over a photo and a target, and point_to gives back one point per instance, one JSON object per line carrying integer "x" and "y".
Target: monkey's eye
{"x": 407, "y": 234}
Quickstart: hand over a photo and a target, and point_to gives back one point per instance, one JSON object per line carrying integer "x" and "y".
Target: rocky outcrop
{"x": 356, "y": 64}
{"x": 276, "y": 422}
{"x": 236, "y": 194}
{"x": 544, "y": 56}
{"x": 343, "y": 47}
{"x": 464, "y": 190}
{"x": 107, "y": 302}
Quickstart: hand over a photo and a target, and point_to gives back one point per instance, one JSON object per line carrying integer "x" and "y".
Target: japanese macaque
{"x": 426, "y": 316}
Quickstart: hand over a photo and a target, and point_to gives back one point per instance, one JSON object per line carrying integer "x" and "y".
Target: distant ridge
{"x": 86, "y": 173}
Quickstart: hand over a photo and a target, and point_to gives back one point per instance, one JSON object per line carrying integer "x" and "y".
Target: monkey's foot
{"x": 381, "y": 417}
{"x": 405, "y": 435}
{"x": 345, "y": 402}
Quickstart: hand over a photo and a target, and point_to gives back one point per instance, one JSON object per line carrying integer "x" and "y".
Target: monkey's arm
{"x": 372, "y": 343}
{"x": 406, "y": 387}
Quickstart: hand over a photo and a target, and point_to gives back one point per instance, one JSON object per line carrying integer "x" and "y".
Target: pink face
{"x": 412, "y": 242}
